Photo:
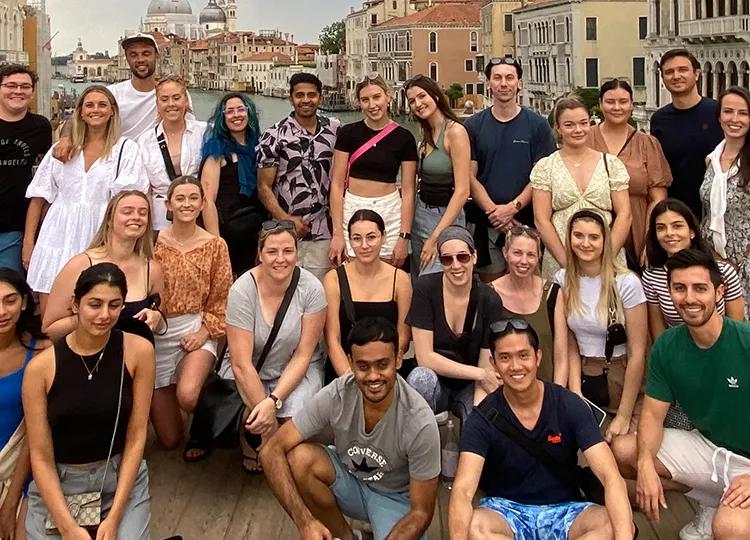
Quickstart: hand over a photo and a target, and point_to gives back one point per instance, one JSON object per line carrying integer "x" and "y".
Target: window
{"x": 639, "y": 72}
{"x": 642, "y": 27}
{"x": 480, "y": 63}
{"x": 469, "y": 65}
{"x": 592, "y": 72}
{"x": 469, "y": 89}
{"x": 434, "y": 71}
{"x": 508, "y": 22}
{"x": 474, "y": 42}
{"x": 395, "y": 4}
{"x": 590, "y": 28}
{"x": 374, "y": 19}
{"x": 433, "y": 42}
{"x": 480, "y": 89}
{"x": 567, "y": 29}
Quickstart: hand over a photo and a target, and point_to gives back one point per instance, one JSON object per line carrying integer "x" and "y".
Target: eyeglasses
{"x": 277, "y": 224}
{"x": 235, "y": 111}
{"x": 520, "y": 230}
{"x": 370, "y": 240}
{"x": 447, "y": 260}
{"x": 498, "y": 327}
{"x": 15, "y": 86}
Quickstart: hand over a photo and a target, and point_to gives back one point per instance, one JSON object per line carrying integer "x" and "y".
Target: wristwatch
{"x": 405, "y": 235}
{"x": 276, "y": 401}
{"x": 517, "y": 204}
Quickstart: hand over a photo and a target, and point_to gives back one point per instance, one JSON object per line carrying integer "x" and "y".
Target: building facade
{"x": 171, "y": 17}
{"x": 94, "y": 68}
{"x": 11, "y": 32}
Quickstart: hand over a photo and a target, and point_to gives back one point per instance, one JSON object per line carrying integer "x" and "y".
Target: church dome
{"x": 212, "y": 13}
{"x": 163, "y": 7}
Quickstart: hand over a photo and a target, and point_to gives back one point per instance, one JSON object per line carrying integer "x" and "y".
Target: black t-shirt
{"x": 427, "y": 312}
{"x": 565, "y": 425}
{"x": 21, "y": 144}
{"x": 687, "y": 136}
{"x": 382, "y": 162}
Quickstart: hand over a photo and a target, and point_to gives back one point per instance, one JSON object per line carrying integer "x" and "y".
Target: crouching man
{"x": 526, "y": 499}
{"x": 384, "y": 463}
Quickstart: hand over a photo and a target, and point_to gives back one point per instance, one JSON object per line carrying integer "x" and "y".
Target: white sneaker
{"x": 700, "y": 527}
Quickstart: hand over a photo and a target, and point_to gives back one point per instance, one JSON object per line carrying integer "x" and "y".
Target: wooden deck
{"x": 217, "y": 500}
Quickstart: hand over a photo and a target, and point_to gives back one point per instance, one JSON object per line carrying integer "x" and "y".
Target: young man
{"x": 702, "y": 364}
{"x": 384, "y": 463}
{"x": 506, "y": 141}
{"x": 524, "y": 499}
{"x": 24, "y": 138}
{"x": 687, "y": 128}
{"x": 294, "y": 164}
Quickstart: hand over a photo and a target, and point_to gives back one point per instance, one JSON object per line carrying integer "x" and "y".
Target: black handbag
{"x": 218, "y": 415}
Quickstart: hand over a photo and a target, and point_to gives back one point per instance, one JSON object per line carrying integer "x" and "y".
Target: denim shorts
{"x": 536, "y": 521}
{"x": 426, "y": 219}
{"x": 10, "y": 250}
{"x": 358, "y": 500}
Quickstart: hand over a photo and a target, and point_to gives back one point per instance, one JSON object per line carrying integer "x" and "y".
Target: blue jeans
{"x": 426, "y": 219}
{"x": 438, "y": 396}
{"x": 10, "y": 250}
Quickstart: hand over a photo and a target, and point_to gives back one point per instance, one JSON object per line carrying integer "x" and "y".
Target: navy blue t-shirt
{"x": 565, "y": 425}
{"x": 506, "y": 152}
{"x": 687, "y": 136}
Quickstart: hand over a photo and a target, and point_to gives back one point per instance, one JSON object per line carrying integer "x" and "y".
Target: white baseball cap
{"x": 140, "y": 37}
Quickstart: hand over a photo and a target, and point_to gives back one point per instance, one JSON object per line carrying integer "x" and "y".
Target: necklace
{"x": 96, "y": 366}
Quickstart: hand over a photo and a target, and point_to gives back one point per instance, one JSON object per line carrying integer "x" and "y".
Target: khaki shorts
{"x": 312, "y": 255}
{"x": 615, "y": 383}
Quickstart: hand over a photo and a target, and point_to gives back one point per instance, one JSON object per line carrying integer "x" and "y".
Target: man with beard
{"x": 506, "y": 141}
{"x": 385, "y": 458}
{"x": 294, "y": 166}
{"x": 704, "y": 366}
{"x": 687, "y": 128}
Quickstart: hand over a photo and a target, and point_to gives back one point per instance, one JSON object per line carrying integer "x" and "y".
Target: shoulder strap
{"x": 393, "y": 290}
{"x": 117, "y": 416}
{"x": 471, "y": 308}
{"x": 30, "y": 351}
{"x": 535, "y": 451}
{"x": 606, "y": 165}
{"x": 279, "y": 317}
{"x": 359, "y": 152}
{"x": 165, "y": 154}
{"x": 119, "y": 158}
{"x": 627, "y": 141}
{"x": 346, "y": 294}
{"x": 552, "y": 290}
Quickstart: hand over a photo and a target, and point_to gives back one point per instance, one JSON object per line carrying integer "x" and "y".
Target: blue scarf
{"x": 217, "y": 147}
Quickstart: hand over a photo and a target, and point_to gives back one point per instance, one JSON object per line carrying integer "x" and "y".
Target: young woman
{"x": 183, "y": 137}
{"x": 450, "y": 316}
{"x": 78, "y": 191}
{"x": 598, "y": 293}
{"x": 232, "y": 210}
{"x": 21, "y": 338}
{"x": 125, "y": 239}
{"x": 369, "y": 181}
{"x": 444, "y": 169}
{"x": 197, "y": 277}
{"x": 573, "y": 178}
{"x": 86, "y": 403}
{"x": 293, "y": 369}
{"x": 536, "y": 300}
{"x": 375, "y": 289}
{"x": 639, "y": 152}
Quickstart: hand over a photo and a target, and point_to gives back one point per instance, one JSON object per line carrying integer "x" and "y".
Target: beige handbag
{"x": 10, "y": 453}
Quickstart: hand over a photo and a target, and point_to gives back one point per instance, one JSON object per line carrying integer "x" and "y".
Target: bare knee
{"x": 625, "y": 450}
{"x": 488, "y": 524}
{"x": 187, "y": 396}
{"x": 309, "y": 461}
{"x": 731, "y": 523}
{"x": 593, "y": 522}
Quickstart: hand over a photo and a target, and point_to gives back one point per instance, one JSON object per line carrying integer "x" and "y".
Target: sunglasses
{"x": 447, "y": 260}
{"x": 520, "y": 230}
{"x": 277, "y": 224}
{"x": 498, "y": 327}
{"x": 372, "y": 76}
{"x": 509, "y": 60}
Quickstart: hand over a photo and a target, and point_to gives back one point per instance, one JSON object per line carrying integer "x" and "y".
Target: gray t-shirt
{"x": 243, "y": 311}
{"x": 404, "y": 444}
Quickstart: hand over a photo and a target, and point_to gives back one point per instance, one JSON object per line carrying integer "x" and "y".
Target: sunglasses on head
{"x": 498, "y": 327}
{"x": 278, "y": 224}
{"x": 447, "y": 260}
{"x": 373, "y": 75}
{"x": 509, "y": 60}
{"x": 519, "y": 230}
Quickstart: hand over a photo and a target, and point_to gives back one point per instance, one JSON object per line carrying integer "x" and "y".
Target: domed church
{"x": 176, "y": 17}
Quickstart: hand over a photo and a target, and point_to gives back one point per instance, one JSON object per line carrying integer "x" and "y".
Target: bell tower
{"x": 230, "y": 9}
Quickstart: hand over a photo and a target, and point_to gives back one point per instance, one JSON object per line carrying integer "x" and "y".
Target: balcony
{"x": 716, "y": 30}
{"x": 14, "y": 57}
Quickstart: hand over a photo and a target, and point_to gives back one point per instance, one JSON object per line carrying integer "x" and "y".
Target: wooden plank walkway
{"x": 216, "y": 500}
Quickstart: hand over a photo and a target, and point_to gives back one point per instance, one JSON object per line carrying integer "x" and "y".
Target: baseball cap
{"x": 140, "y": 37}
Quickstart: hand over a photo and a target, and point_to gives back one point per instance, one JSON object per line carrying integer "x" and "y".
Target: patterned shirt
{"x": 303, "y": 161}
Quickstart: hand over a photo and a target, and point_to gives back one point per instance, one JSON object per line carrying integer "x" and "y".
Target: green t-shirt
{"x": 712, "y": 385}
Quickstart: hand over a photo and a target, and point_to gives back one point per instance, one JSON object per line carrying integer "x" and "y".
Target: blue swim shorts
{"x": 536, "y": 521}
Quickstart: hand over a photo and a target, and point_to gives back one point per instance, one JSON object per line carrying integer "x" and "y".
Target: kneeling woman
{"x": 86, "y": 402}
{"x": 197, "y": 277}
{"x": 604, "y": 301}
{"x": 278, "y": 384}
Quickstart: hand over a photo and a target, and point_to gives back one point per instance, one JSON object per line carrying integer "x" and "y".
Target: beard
{"x": 149, "y": 73}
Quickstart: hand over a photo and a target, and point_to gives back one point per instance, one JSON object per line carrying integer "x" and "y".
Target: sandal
{"x": 189, "y": 457}
{"x": 250, "y": 462}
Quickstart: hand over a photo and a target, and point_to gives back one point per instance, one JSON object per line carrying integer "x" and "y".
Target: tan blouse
{"x": 648, "y": 168}
{"x": 197, "y": 281}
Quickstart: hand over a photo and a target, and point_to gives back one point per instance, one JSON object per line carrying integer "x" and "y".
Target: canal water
{"x": 270, "y": 110}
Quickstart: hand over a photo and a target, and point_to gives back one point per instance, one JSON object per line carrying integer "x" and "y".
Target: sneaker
{"x": 700, "y": 527}
{"x": 441, "y": 418}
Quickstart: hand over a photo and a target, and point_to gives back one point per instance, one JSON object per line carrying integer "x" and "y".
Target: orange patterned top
{"x": 197, "y": 281}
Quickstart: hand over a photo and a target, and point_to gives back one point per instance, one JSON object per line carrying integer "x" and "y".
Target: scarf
{"x": 718, "y": 200}
{"x": 246, "y": 162}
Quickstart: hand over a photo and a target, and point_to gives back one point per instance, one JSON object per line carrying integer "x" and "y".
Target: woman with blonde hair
{"x": 125, "y": 239}
{"x": 605, "y": 308}
{"x": 368, "y": 158}
{"x": 103, "y": 164}
{"x": 173, "y": 147}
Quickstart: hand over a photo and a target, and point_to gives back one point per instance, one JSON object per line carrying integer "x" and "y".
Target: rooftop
{"x": 440, "y": 14}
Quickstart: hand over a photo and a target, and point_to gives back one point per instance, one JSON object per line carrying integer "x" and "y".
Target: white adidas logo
{"x": 733, "y": 382}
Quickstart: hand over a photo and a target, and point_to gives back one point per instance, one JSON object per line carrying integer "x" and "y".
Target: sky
{"x": 99, "y": 23}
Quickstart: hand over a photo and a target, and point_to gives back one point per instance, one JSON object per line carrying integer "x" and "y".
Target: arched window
{"x": 745, "y": 74}
{"x": 709, "y": 78}
{"x": 698, "y": 9}
{"x": 709, "y": 9}
{"x": 567, "y": 71}
{"x": 408, "y": 41}
{"x": 657, "y": 84}
{"x": 676, "y": 16}
{"x": 732, "y": 74}
{"x": 733, "y": 7}
{"x": 567, "y": 29}
{"x": 434, "y": 71}
{"x": 433, "y": 42}
{"x": 721, "y": 78}
{"x": 474, "y": 41}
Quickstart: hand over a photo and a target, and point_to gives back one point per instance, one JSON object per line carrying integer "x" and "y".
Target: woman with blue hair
{"x": 233, "y": 210}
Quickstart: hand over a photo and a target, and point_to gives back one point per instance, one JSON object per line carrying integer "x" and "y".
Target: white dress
{"x": 77, "y": 200}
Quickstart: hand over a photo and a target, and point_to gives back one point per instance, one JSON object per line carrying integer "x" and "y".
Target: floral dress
{"x": 551, "y": 174}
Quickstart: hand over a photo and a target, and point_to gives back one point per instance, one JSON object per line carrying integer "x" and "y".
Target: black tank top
{"x": 228, "y": 198}
{"x": 387, "y": 309}
{"x": 81, "y": 412}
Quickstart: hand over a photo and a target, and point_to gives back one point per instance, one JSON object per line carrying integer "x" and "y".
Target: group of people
{"x": 528, "y": 268}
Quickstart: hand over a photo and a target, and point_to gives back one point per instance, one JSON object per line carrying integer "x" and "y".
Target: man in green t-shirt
{"x": 705, "y": 366}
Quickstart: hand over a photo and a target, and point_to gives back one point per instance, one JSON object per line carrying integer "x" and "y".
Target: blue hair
{"x": 218, "y": 141}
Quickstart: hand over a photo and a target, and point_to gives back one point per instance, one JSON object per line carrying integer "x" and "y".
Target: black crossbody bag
{"x": 168, "y": 165}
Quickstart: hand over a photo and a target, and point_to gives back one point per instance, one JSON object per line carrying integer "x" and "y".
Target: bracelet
{"x": 404, "y": 235}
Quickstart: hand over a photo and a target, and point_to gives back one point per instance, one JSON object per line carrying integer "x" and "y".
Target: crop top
{"x": 382, "y": 162}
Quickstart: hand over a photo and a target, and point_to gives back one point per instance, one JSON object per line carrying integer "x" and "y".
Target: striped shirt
{"x": 657, "y": 292}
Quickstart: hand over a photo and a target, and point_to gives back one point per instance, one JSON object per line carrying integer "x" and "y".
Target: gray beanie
{"x": 456, "y": 232}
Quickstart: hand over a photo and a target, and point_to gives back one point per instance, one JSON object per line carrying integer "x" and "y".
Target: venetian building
{"x": 11, "y": 30}
{"x": 171, "y": 17}
{"x": 212, "y": 19}
{"x": 230, "y": 10}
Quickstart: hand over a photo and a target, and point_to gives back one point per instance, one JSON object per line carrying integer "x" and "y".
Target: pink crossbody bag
{"x": 365, "y": 147}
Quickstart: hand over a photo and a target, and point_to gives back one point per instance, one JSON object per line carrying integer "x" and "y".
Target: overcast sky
{"x": 99, "y": 23}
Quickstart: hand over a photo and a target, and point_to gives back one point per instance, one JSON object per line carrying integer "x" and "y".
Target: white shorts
{"x": 387, "y": 206}
{"x": 169, "y": 354}
{"x": 306, "y": 389}
{"x": 698, "y": 463}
